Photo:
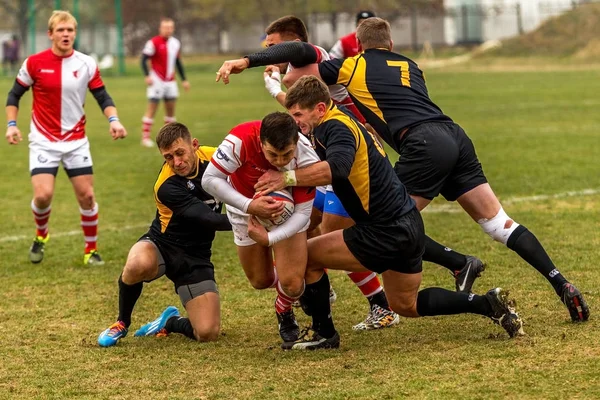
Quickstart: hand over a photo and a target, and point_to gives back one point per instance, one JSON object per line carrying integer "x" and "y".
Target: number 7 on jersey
{"x": 404, "y": 71}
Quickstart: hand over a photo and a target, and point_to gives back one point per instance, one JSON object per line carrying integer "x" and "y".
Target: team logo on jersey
{"x": 75, "y": 73}
{"x": 42, "y": 159}
{"x": 221, "y": 155}
{"x": 46, "y": 71}
{"x": 191, "y": 185}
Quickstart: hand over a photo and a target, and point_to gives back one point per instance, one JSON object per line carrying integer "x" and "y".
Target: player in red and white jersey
{"x": 59, "y": 78}
{"x": 327, "y": 205}
{"x": 249, "y": 150}
{"x": 347, "y": 46}
{"x": 163, "y": 51}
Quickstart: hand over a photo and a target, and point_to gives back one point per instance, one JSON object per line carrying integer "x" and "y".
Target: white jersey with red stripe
{"x": 163, "y": 53}
{"x": 59, "y": 87}
{"x": 240, "y": 157}
{"x": 338, "y": 93}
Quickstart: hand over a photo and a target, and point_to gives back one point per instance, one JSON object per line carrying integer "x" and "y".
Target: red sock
{"x": 367, "y": 282}
{"x": 169, "y": 119}
{"x": 89, "y": 224}
{"x": 146, "y": 127}
{"x": 41, "y": 217}
{"x": 283, "y": 302}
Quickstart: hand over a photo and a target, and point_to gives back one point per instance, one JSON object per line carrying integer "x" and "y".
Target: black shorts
{"x": 438, "y": 158}
{"x": 182, "y": 266}
{"x": 397, "y": 245}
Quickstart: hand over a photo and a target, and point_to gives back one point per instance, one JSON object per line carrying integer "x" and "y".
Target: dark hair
{"x": 169, "y": 133}
{"x": 307, "y": 92}
{"x": 279, "y": 130}
{"x": 289, "y": 27}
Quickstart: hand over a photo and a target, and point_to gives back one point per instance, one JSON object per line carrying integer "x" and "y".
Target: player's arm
{"x": 21, "y": 85}
{"x": 183, "y": 204}
{"x": 107, "y": 105}
{"x": 294, "y": 224}
{"x": 144, "y": 64}
{"x": 272, "y": 77}
{"x": 180, "y": 70}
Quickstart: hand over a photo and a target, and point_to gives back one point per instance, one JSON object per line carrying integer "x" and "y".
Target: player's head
{"x": 279, "y": 138}
{"x": 286, "y": 29}
{"x": 166, "y": 27}
{"x": 374, "y": 33}
{"x": 62, "y": 28}
{"x": 362, "y": 15}
{"x": 308, "y": 101}
{"x": 178, "y": 148}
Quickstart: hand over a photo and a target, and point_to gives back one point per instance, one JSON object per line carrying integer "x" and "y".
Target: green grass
{"x": 536, "y": 133}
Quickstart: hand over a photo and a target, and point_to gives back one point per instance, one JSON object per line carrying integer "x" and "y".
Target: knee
{"x": 86, "y": 199}
{"x": 42, "y": 198}
{"x": 404, "y": 307}
{"x": 499, "y": 227}
{"x": 136, "y": 270}
{"x": 293, "y": 287}
{"x": 261, "y": 282}
{"x": 207, "y": 333}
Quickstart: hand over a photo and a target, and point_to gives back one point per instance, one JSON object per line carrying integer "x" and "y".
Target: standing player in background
{"x": 249, "y": 150}
{"x": 163, "y": 51}
{"x": 177, "y": 245}
{"x": 291, "y": 28}
{"x": 60, "y": 77}
{"x": 347, "y": 46}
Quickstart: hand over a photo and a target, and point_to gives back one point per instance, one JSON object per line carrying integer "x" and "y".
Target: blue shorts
{"x": 319, "y": 201}
{"x": 333, "y": 205}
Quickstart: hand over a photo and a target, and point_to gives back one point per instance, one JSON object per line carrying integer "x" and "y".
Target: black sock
{"x": 180, "y": 325}
{"x": 444, "y": 256}
{"x": 128, "y": 296}
{"x": 526, "y": 245}
{"x": 379, "y": 299}
{"x": 438, "y": 301}
{"x": 317, "y": 298}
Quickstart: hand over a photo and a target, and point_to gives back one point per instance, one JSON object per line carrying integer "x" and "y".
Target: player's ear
{"x": 195, "y": 143}
{"x": 360, "y": 48}
{"x": 391, "y": 44}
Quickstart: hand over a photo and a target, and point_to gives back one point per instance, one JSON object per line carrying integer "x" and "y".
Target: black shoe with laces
{"x": 576, "y": 304}
{"x": 288, "y": 327}
{"x": 503, "y": 312}
{"x": 311, "y": 340}
{"x": 465, "y": 278}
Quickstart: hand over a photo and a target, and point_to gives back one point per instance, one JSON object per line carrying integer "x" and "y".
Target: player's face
{"x": 272, "y": 40}
{"x": 306, "y": 118}
{"x": 278, "y": 158}
{"x": 63, "y": 37}
{"x": 166, "y": 29}
{"x": 181, "y": 156}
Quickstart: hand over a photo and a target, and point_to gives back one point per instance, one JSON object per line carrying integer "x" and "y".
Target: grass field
{"x": 537, "y": 135}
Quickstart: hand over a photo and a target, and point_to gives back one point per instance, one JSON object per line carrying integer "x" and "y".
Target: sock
{"x": 89, "y": 224}
{"x": 284, "y": 302}
{"x": 379, "y": 299}
{"x": 444, "y": 256}
{"x": 180, "y": 325}
{"x": 169, "y": 119}
{"x": 526, "y": 245}
{"x": 438, "y": 301}
{"x": 128, "y": 296}
{"x": 41, "y": 217}
{"x": 146, "y": 127}
{"x": 367, "y": 282}
{"x": 317, "y": 297}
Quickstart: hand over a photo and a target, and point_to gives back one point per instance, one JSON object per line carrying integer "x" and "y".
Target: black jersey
{"x": 186, "y": 215}
{"x": 387, "y": 88}
{"x": 362, "y": 176}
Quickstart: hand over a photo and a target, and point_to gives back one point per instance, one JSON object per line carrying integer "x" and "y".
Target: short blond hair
{"x": 59, "y": 16}
{"x": 374, "y": 33}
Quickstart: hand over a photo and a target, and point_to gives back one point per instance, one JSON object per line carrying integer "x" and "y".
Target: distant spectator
{"x": 10, "y": 55}
{"x": 347, "y": 46}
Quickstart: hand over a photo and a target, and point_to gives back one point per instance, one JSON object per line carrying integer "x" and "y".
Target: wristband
{"x": 12, "y": 122}
{"x": 113, "y": 118}
{"x": 290, "y": 178}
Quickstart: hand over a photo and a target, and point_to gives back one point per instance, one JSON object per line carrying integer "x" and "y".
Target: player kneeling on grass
{"x": 388, "y": 236}
{"x": 178, "y": 245}
{"x": 247, "y": 152}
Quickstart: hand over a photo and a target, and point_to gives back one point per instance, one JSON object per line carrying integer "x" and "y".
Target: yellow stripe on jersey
{"x": 204, "y": 154}
{"x": 357, "y": 83}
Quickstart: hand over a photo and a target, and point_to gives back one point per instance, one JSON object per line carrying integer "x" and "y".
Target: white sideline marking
{"x": 70, "y": 233}
{"x": 455, "y": 207}
{"x": 437, "y": 208}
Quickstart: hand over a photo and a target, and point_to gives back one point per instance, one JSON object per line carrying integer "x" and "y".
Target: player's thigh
{"x": 44, "y": 160}
{"x": 43, "y": 188}
{"x": 427, "y": 157}
{"x": 202, "y": 304}
{"x": 330, "y": 251}
{"x": 480, "y": 202}
{"x": 156, "y": 91}
{"x": 290, "y": 260}
{"x": 169, "y": 107}
{"x": 401, "y": 290}
{"x": 144, "y": 262}
{"x": 257, "y": 263}
{"x": 334, "y": 214}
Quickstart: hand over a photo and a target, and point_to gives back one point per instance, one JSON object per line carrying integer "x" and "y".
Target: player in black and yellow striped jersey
{"x": 177, "y": 245}
{"x": 436, "y": 155}
{"x": 388, "y": 236}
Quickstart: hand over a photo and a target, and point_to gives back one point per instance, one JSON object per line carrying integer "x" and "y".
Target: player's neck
{"x": 60, "y": 53}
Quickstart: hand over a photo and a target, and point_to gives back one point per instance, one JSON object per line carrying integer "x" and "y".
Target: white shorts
{"x": 160, "y": 89}
{"x": 239, "y": 226}
{"x": 45, "y": 157}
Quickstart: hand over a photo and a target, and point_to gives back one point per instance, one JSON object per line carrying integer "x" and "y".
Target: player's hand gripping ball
{"x": 284, "y": 196}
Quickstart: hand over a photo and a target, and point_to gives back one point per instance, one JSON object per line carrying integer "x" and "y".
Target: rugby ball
{"x": 285, "y": 196}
